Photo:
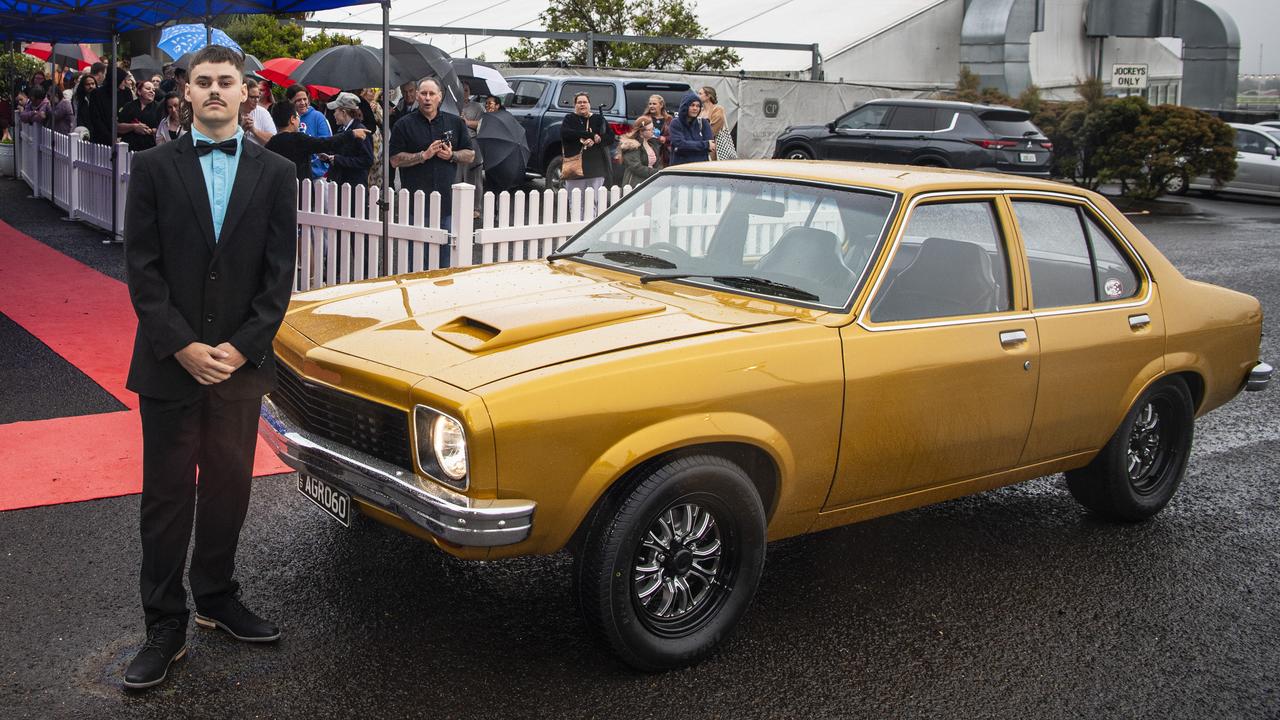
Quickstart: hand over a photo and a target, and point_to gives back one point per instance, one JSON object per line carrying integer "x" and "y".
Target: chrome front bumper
{"x": 1259, "y": 376}
{"x": 447, "y": 515}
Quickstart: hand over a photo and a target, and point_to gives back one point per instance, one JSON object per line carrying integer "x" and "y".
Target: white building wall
{"x": 922, "y": 51}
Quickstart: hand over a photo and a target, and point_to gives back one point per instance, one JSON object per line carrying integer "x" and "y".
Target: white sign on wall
{"x": 1129, "y": 77}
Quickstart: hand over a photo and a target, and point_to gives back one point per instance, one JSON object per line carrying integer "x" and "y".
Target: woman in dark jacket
{"x": 350, "y": 166}
{"x": 298, "y": 147}
{"x": 587, "y": 134}
{"x": 641, "y": 152}
{"x": 691, "y": 136}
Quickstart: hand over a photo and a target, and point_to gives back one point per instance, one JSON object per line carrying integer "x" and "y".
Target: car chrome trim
{"x": 1140, "y": 321}
{"x": 954, "y": 117}
{"x": 1259, "y": 377}
{"x": 450, "y": 516}
{"x": 865, "y": 322}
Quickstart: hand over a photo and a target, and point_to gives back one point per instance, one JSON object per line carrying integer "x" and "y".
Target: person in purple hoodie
{"x": 691, "y": 136}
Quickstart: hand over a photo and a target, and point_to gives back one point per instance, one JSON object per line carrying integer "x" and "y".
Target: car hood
{"x": 474, "y": 326}
{"x": 806, "y": 130}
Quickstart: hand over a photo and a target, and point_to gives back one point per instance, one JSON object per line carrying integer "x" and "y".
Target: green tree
{"x": 1145, "y": 146}
{"x": 16, "y": 65}
{"x": 671, "y": 18}
{"x": 268, "y": 36}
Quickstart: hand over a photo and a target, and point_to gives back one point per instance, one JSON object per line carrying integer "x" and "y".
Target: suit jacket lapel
{"x": 247, "y": 174}
{"x": 193, "y": 179}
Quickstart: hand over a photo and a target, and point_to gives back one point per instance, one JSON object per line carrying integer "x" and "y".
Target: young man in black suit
{"x": 210, "y": 236}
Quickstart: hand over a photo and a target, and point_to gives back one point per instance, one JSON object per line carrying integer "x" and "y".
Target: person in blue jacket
{"x": 691, "y": 136}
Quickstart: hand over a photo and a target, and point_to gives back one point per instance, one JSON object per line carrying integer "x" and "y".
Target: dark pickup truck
{"x": 540, "y": 103}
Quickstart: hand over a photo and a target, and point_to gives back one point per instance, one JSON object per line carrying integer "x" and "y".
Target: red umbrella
{"x": 63, "y": 54}
{"x": 278, "y": 70}
{"x": 40, "y": 50}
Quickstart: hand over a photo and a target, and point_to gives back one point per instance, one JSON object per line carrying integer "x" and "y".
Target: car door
{"x": 941, "y": 365}
{"x": 1256, "y": 170}
{"x": 856, "y": 136}
{"x": 910, "y": 129}
{"x": 1099, "y": 321}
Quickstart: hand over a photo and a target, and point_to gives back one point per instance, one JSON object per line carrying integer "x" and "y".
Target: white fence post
{"x": 464, "y": 199}
{"x": 73, "y": 177}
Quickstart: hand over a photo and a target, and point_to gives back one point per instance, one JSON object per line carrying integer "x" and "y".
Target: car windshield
{"x": 798, "y": 243}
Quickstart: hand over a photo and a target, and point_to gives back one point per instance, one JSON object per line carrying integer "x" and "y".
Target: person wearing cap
{"x": 351, "y": 167}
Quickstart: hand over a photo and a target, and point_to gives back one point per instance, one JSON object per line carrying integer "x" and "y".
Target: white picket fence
{"x": 339, "y": 227}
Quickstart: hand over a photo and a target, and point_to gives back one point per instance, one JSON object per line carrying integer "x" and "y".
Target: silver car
{"x": 1257, "y": 165}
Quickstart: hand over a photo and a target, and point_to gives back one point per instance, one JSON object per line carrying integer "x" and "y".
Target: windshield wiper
{"x": 742, "y": 282}
{"x": 625, "y": 257}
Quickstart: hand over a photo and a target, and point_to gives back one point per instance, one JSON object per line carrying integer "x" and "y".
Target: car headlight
{"x": 442, "y": 446}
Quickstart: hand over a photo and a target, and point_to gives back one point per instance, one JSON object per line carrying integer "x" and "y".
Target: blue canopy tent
{"x": 104, "y": 21}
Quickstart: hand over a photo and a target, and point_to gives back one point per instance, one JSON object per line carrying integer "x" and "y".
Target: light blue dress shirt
{"x": 219, "y": 176}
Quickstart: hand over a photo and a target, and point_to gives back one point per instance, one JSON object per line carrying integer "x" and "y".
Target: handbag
{"x": 571, "y": 168}
{"x": 725, "y": 149}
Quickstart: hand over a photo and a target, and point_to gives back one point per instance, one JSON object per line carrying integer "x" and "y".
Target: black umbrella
{"x": 483, "y": 79}
{"x": 251, "y": 63}
{"x": 418, "y": 60}
{"x": 70, "y": 55}
{"x": 347, "y": 66}
{"x": 506, "y": 153}
{"x": 143, "y": 67}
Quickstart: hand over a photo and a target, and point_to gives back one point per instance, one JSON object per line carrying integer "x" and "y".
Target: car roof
{"x": 1252, "y": 126}
{"x": 977, "y": 107}
{"x": 894, "y": 178}
{"x": 596, "y": 78}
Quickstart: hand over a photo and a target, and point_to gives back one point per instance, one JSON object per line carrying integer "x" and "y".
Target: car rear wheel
{"x": 1139, "y": 469}
{"x": 667, "y": 571}
{"x": 797, "y": 153}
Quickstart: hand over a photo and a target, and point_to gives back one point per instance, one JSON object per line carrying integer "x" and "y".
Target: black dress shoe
{"x": 238, "y": 622}
{"x": 166, "y": 642}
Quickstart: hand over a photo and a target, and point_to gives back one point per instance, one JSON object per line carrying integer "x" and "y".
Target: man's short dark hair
{"x": 98, "y": 67}
{"x": 219, "y": 54}
{"x": 179, "y": 73}
{"x": 294, "y": 90}
{"x": 281, "y": 114}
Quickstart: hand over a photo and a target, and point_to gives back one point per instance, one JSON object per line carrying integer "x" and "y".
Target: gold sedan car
{"x": 741, "y": 352}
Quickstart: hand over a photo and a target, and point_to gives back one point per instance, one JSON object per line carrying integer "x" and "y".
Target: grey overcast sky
{"x": 1259, "y": 24}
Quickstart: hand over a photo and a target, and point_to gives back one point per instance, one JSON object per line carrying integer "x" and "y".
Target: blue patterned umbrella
{"x": 178, "y": 40}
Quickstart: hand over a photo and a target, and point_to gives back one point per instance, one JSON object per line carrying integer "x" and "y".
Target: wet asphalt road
{"x": 1012, "y": 603}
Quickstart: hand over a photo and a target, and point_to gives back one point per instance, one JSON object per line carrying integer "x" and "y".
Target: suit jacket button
{"x": 213, "y": 275}
{"x": 208, "y": 318}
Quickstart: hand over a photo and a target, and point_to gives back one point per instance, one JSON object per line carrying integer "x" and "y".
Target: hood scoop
{"x": 490, "y": 328}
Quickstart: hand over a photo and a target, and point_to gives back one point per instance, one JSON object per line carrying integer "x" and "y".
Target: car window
{"x": 1073, "y": 261}
{"x": 601, "y": 94}
{"x": 1274, "y": 133}
{"x": 1010, "y": 125}
{"x": 731, "y": 232}
{"x": 950, "y": 261}
{"x": 526, "y": 93}
{"x": 867, "y": 117}
{"x": 908, "y": 117}
{"x": 1251, "y": 142}
{"x": 637, "y": 97}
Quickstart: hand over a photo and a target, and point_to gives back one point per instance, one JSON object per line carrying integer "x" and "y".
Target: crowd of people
{"x": 342, "y": 138}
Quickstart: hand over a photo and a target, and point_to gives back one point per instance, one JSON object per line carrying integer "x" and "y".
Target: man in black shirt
{"x": 298, "y": 146}
{"x": 425, "y": 145}
{"x": 139, "y": 119}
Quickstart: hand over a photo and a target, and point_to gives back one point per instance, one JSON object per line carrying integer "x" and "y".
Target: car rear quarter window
{"x": 910, "y": 117}
{"x": 1073, "y": 260}
{"x": 600, "y": 93}
{"x": 951, "y": 261}
{"x": 526, "y": 93}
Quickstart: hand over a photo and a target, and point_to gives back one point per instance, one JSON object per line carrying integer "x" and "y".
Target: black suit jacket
{"x": 187, "y": 288}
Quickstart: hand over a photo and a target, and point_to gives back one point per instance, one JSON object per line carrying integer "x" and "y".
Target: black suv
{"x": 541, "y": 102}
{"x": 935, "y": 133}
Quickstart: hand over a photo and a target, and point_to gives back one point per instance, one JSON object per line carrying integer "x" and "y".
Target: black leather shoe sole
{"x": 152, "y": 683}
{"x": 210, "y": 624}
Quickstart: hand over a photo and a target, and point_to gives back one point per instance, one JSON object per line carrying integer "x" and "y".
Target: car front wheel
{"x": 666, "y": 572}
{"x": 1139, "y": 469}
{"x": 1177, "y": 183}
{"x": 797, "y": 153}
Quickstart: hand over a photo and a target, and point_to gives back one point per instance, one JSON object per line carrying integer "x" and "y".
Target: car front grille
{"x": 372, "y": 428}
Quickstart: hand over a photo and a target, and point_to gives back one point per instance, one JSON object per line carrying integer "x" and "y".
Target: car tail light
{"x": 987, "y": 144}
{"x": 1046, "y": 145}
{"x": 620, "y": 128}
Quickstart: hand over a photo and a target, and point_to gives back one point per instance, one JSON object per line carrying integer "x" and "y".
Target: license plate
{"x": 330, "y": 499}
{"x": 1027, "y": 157}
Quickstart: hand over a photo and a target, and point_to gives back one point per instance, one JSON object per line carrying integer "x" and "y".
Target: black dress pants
{"x": 214, "y": 438}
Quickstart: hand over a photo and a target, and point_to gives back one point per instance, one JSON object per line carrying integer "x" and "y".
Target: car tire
{"x": 552, "y": 175}
{"x": 797, "y": 153}
{"x": 1139, "y": 469}
{"x": 1177, "y": 184}
{"x": 667, "y": 570}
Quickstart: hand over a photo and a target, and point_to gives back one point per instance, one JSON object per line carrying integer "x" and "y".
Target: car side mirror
{"x": 1271, "y": 150}
{"x": 831, "y": 127}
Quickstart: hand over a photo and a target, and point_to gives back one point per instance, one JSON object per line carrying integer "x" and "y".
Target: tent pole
{"x": 208, "y": 20}
{"x": 13, "y": 47}
{"x": 386, "y": 134}
{"x": 114, "y": 73}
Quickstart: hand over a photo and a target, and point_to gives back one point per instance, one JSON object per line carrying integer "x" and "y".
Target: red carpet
{"x": 85, "y": 317}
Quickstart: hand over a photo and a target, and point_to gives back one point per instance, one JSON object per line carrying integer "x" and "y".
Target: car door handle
{"x": 1011, "y": 338}
{"x": 1137, "y": 322}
